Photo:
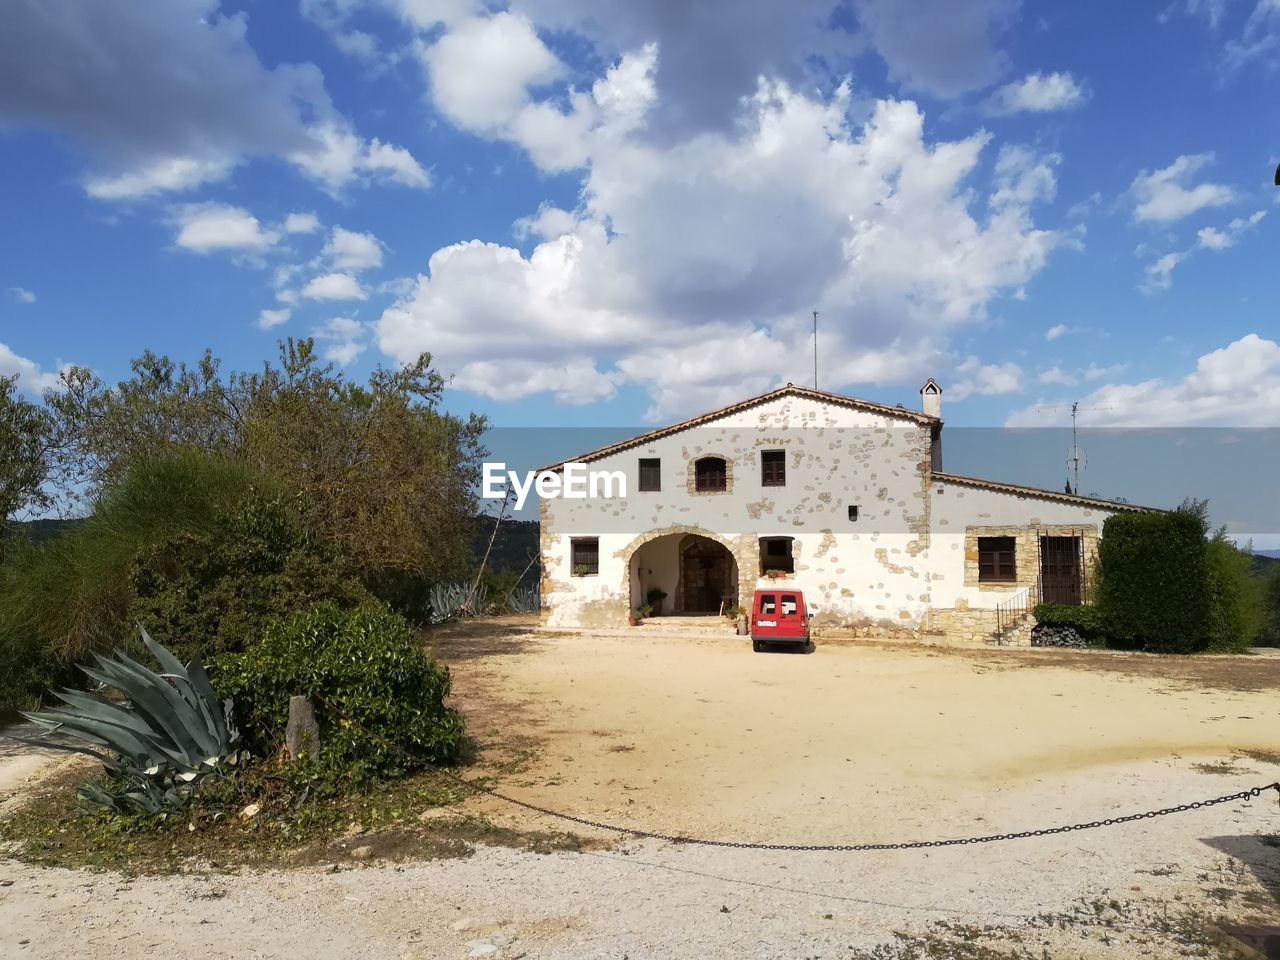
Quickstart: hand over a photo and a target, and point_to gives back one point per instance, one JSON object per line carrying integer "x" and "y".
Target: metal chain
{"x": 865, "y": 847}
{"x": 1249, "y": 794}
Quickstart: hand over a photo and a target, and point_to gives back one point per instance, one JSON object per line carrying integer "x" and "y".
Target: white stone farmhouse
{"x": 841, "y": 498}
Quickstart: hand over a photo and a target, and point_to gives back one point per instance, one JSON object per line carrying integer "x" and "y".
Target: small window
{"x": 775, "y": 554}
{"x": 650, "y": 474}
{"x": 853, "y": 513}
{"x": 710, "y": 475}
{"x": 585, "y": 556}
{"x": 768, "y": 603}
{"x": 997, "y": 560}
{"x": 789, "y": 605}
{"x": 773, "y": 468}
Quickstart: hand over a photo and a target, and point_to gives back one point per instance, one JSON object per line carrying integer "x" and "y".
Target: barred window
{"x": 585, "y": 556}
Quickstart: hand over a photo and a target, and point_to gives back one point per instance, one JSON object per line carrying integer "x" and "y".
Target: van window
{"x": 768, "y": 603}
{"x": 788, "y": 603}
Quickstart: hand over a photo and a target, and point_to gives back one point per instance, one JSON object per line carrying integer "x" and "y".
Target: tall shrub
{"x": 1153, "y": 590}
{"x": 1235, "y": 597}
{"x": 1269, "y": 630}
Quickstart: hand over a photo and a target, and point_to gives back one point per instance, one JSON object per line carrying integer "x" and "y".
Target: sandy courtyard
{"x": 851, "y": 743}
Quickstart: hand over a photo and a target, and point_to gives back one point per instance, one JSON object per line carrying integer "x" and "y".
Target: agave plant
{"x": 524, "y": 599}
{"x": 462, "y": 599}
{"x": 169, "y": 730}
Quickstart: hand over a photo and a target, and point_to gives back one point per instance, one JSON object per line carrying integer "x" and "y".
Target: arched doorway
{"x": 708, "y": 576}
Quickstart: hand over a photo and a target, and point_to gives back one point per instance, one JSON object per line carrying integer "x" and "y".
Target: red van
{"x": 779, "y": 616}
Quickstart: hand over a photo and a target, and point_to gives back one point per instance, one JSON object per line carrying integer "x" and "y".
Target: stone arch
{"x": 743, "y": 548}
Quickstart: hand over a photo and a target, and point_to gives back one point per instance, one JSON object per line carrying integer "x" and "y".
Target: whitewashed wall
{"x": 870, "y": 573}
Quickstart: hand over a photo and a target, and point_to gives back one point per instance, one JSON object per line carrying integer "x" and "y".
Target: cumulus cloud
{"x": 209, "y": 227}
{"x": 1158, "y": 275}
{"x": 1056, "y": 376}
{"x": 169, "y": 94}
{"x": 985, "y": 379}
{"x": 1167, "y": 195}
{"x": 691, "y": 267}
{"x": 21, "y": 294}
{"x": 1213, "y": 238}
{"x": 273, "y": 318}
{"x": 31, "y": 377}
{"x": 334, "y": 286}
{"x": 301, "y": 223}
{"x": 348, "y": 250}
{"x": 1054, "y": 332}
{"x": 1237, "y": 385}
{"x": 1037, "y": 93}
{"x": 342, "y": 340}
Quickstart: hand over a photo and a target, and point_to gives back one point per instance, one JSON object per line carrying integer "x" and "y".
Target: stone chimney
{"x": 931, "y": 398}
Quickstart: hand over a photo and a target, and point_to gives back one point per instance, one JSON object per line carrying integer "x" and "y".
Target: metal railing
{"x": 1011, "y": 612}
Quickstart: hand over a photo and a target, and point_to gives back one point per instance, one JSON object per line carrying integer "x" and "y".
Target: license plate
{"x": 766, "y": 623}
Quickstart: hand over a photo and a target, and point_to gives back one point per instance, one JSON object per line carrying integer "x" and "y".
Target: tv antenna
{"x": 1076, "y": 459}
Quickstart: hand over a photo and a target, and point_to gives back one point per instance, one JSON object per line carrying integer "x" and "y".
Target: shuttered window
{"x": 650, "y": 474}
{"x": 997, "y": 560}
{"x": 773, "y": 468}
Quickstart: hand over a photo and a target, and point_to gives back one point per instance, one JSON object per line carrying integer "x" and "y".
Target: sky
{"x": 624, "y": 212}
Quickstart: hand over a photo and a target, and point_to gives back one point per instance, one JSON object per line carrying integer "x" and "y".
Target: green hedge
{"x": 1085, "y": 618}
{"x": 379, "y": 698}
{"x": 1153, "y": 591}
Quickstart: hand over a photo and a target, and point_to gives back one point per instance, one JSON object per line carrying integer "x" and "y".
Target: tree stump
{"x": 302, "y": 735}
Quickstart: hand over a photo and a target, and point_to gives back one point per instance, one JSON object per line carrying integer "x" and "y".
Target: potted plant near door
{"x": 638, "y": 614}
{"x": 655, "y": 596}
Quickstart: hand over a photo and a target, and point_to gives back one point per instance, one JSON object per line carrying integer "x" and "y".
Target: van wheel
{"x": 757, "y": 646}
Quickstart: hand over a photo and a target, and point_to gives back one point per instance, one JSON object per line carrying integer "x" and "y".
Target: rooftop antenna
{"x": 815, "y": 349}
{"x": 1076, "y": 459}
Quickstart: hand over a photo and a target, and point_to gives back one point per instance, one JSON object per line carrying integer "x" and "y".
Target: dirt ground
{"x": 853, "y": 743}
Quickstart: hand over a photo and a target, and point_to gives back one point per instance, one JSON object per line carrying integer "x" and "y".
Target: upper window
{"x": 997, "y": 560}
{"x": 584, "y": 556}
{"x": 710, "y": 475}
{"x": 650, "y": 474}
{"x": 773, "y": 468}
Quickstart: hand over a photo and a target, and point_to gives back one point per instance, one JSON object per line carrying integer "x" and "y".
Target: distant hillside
{"x": 1264, "y": 561}
{"x": 38, "y": 531}
{"x": 516, "y": 543}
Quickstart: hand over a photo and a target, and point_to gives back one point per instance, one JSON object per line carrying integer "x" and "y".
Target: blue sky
{"x": 620, "y": 212}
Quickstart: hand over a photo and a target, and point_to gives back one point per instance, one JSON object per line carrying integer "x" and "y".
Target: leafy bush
{"x": 1153, "y": 591}
{"x": 379, "y": 698}
{"x": 1085, "y": 618}
{"x": 215, "y": 592}
{"x": 1269, "y": 630}
{"x": 70, "y": 597}
{"x": 168, "y": 732}
{"x": 1235, "y": 598}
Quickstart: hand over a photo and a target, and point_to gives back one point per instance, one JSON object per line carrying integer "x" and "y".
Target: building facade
{"x": 841, "y": 498}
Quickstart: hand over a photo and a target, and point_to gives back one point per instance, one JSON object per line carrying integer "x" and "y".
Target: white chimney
{"x": 931, "y": 398}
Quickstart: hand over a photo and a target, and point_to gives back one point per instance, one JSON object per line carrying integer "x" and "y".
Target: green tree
{"x": 379, "y": 470}
{"x": 24, "y": 452}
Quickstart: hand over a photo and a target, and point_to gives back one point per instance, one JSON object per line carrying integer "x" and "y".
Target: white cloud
{"x": 1158, "y": 276}
{"x": 343, "y": 340}
{"x": 22, "y": 294}
{"x": 1056, "y": 376}
{"x": 1211, "y": 238}
{"x": 273, "y": 318}
{"x": 168, "y": 95}
{"x": 1168, "y": 194}
{"x": 31, "y": 377}
{"x": 481, "y": 70}
{"x": 159, "y": 175}
{"x": 1237, "y": 385}
{"x": 334, "y": 286}
{"x": 348, "y": 250}
{"x": 301, "y": 223}
{"x": 989, "y": 379}
{"x": 1054, "y": 332}
{"x": 207, "y": 227}
{"x": 1037, "y": 93}
{"x": 1095, "y": 372}
{"x": 691, "y": 266}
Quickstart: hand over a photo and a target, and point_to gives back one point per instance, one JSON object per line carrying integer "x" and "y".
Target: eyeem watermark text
{"x": 572, "y": 482}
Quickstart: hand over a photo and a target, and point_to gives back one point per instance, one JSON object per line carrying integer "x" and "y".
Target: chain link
{"x": 1249, "y": 794}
